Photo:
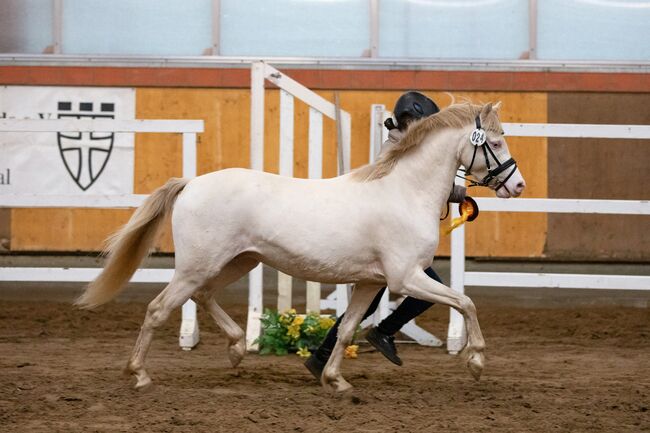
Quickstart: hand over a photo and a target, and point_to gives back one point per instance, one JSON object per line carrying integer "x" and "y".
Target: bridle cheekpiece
{"x": 478, "y": 138}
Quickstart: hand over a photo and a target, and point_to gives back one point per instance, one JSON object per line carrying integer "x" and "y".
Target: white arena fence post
{"x": 456, "y": 335}
{"x": 255, "y": 277}
{"x": 318, "y": 107}
{"x": 189, "y": 330}
{"x": 285, "y": 282}
{"x": 461, "y": 278}
{"x": 315, "y": 171}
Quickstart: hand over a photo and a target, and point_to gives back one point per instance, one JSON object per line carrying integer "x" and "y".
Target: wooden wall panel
{"x": 502, "y": 234}
{"x": 5, "y": 229}
{"x": 225, "y": 143}
{"x": 492, "y": 234}
{"x": 220, "y": 76}
{"x": 599, "y": 169}
{"x": 64, "y": 229}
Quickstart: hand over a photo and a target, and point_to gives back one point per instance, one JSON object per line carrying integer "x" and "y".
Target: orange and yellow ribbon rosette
{"x": 468, "y": 210}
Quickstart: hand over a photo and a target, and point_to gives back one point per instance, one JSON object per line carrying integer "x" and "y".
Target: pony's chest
{"x": 417, "y": 228}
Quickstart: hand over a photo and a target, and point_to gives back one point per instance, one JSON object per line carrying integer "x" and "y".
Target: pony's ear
{"x": 487, "y": 108}
{"x": 497, "y": 106}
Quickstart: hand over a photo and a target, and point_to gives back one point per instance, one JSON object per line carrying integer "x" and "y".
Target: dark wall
{"x": 5, "y": 229}
{"x": 599, "y": 169}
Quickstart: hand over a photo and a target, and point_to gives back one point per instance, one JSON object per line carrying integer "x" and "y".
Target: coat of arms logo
{"x": 85, "y": 154}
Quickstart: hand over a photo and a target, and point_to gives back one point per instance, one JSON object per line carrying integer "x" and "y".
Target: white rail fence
{"x": 189, "y": 332}
{"x": 456, "y": 335}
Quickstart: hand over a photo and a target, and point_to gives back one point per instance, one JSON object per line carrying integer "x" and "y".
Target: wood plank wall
{"x": 599, "y": 169}
{"x": 225, "y": 143}
{"x": 220, "y": 96}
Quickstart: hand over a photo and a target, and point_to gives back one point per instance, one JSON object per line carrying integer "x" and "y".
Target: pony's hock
{"x": 216, "y": 244}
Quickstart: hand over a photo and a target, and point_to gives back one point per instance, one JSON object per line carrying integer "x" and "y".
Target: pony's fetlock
{"x": 131, "y": 368}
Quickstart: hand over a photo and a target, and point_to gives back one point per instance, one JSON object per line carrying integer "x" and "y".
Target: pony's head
{"x": 485, "y": 155}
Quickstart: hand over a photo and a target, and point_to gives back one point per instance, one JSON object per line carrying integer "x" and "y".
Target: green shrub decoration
{"x": 292, "y": 332}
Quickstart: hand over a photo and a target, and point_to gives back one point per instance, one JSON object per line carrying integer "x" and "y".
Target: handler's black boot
{"x": 316, "y": 362}
{"x": 385, "y": 344}
{"x": 315, "y": 366}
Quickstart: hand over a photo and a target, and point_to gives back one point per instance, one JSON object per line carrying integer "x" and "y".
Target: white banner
{"x": 66, "y": 163}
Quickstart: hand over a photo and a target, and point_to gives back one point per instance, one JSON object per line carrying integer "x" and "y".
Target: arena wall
{"x": 557, "y": 168}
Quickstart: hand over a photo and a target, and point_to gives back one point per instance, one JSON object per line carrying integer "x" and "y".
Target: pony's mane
{"x": 454, "y": 116}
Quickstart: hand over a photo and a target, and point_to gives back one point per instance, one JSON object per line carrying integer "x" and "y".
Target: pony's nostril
{"x": 520, "y": 186}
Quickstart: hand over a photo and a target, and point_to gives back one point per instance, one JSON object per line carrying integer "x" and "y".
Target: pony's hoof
{"x": 475, "y": 365}
{"x": 336, "y": 385}
{"x": 236, "y": 352}
{"x": 144, "y": 384}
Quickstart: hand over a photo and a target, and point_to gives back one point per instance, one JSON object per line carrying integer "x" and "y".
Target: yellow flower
{"x": 351, "y": 351}
{"x": 293, "y": 331}
{"x": 288, "y": 316}
{"x": 298, "y": 320}
{"x": 326, "y": 322}
{"x": 303, "y": 352}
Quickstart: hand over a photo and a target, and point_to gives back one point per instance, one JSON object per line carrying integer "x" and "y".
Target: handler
{"x": 409, "y": 107}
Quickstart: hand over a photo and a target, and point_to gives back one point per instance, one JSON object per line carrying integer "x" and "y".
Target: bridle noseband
{"x": 478, "y": 138}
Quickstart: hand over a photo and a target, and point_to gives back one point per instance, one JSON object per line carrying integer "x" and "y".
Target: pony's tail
{"x": 127, "y": 247}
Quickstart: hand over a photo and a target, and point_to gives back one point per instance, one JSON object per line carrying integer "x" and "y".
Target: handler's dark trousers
{"x": 407, "y": 310}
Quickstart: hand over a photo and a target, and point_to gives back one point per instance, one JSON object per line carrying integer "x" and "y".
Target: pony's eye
{"x": 495, "y": 144}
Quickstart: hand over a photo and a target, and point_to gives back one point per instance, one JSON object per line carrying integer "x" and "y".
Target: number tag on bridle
{"x": 477, "y": 138}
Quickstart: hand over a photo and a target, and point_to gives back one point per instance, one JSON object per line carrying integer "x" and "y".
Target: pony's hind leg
{"x": 232, "y": 272}
{"x": 236, "y": 336}
{"x": 177, "y": 292}
{"x": 420, "y": 286}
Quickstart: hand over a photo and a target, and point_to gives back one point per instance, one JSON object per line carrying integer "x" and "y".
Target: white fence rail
{"x": 189, "y": 332}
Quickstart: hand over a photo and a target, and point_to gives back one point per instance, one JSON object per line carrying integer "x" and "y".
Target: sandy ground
{"x": 567, "y": 370}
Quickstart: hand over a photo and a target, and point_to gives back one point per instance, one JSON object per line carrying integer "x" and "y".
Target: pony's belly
{"x": 340, "y": 271}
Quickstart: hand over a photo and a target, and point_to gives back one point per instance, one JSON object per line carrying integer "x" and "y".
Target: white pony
{"x": 373, "y": 227}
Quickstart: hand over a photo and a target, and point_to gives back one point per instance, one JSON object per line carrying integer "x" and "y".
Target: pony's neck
{"x": 431, "y": 167}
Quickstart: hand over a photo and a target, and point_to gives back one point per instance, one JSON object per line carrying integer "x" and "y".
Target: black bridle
{"x": 479, "y": 139}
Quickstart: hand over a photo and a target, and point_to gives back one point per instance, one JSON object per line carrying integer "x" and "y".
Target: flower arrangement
{"x": 289, "y": 332}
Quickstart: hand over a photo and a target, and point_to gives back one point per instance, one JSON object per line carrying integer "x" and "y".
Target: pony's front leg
{"x": 419, "y": 285}
{"x": 362, "y": 296}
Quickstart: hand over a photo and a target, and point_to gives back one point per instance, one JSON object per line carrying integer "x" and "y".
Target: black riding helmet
{"x": 411, "y": 106}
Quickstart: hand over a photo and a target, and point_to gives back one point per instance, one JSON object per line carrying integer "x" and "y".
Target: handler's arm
{"x": 394, "y": 136}
{"x": 458, "y": 194}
